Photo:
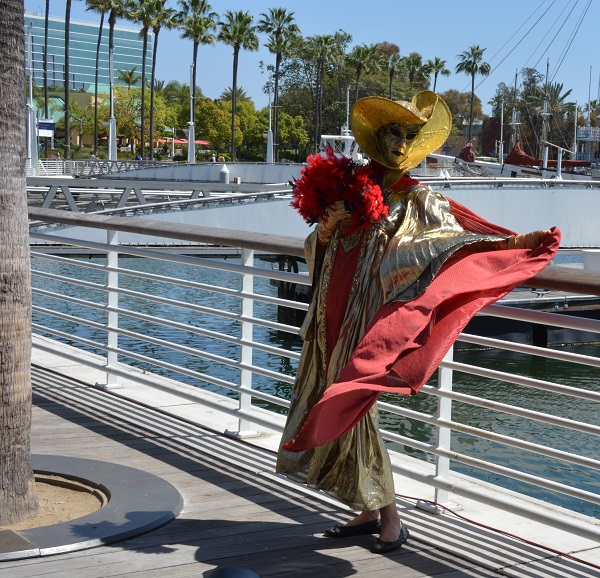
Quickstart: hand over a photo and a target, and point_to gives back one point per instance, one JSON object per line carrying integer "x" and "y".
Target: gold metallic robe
{"x": 398, "y": 258}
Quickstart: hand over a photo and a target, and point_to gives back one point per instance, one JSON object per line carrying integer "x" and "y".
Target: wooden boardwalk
{"x": 238, "y": 513}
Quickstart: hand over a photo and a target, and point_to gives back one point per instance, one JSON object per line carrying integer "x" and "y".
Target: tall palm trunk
{"x": 96, "y": 82}
{"x": 18, "y": 498}
{"x": 143, "y": 111}
{"x": 46, "y": 26}
{"x": 234, "y": 103}
{"x": 67, "y": 154}
{"x": 471, "y": 110}
{"x": 193, "y": 87}
{"x": 151, "y": 136}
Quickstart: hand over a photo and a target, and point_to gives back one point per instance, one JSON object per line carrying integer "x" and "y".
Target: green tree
{"x": 162, "y": 17}
{"x": 436, "y": 67}
{"x": 363, "y": 59}
{"x": 281, "y": 29}
{"x": 18, "y": 498}
{"x": 101, "y": 7}
{"x": 471, "y": 63}
{"x": 129, "y": 77}
{"x": 197, "y": 23}
{"x": 416, "y": 71}
{"x": 215, "y": 119}
{"x": 237, "y": 31}
{"x": 141, "y": 12}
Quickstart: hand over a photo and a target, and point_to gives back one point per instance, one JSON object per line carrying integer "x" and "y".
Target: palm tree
{"x": 471, "y": 63}
{"x": 322, "y": 48}
{"x": 197, "y": 23}
{"x": 67, "y": 150}
{"x": 436, "y": 67}
{"x": 141, "y": 12}
{"x": 415, "y": 69}
{"x": 363, "y": 59}
{"x": 237, "y": 31}
{"x": 129, "y": 77}
{"x": 279, "y": 25}
{"x": 18, "y": 498}
{"x": 101, "y": 6}
{"x": 162, "y": 17}
{"x": 227, "y": 95}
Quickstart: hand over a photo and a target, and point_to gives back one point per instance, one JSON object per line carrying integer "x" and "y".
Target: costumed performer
{"x": 397, "y": 272}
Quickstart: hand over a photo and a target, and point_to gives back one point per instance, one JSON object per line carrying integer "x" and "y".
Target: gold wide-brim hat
{"x": 426, "y": 109}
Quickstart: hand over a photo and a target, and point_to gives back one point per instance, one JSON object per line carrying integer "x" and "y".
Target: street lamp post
{"x": 270, "y": 131}
{"x": 112, "y": 123}
{"x": 32, "y": 141}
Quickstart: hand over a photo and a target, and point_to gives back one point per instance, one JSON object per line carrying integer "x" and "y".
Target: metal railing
{"x": 228, "y": 326}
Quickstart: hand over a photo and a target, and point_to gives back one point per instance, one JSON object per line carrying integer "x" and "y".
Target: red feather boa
{"x": 329, "y": 178}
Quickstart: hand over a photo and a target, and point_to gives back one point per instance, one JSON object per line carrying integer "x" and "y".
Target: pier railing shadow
{"x": 208, "y": 321}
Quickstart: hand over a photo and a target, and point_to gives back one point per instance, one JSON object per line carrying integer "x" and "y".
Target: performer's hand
{"x": 526, "y": 241}
{"x": 333, "y": 215}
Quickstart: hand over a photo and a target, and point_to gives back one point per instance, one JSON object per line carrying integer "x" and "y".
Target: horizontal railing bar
{"x": 71, "y": 318}
{"x": 187, "y": 392}
{"x": 556, "y": 277}
{"x": 522, "y": 380}
{"x": 513, "y": 410}
{"x": 70, "y": 280}
{"x": 531, "y": 350}
{"x": 204, "y": 355}
{"x": 258, "y": 241}
{"x": 159, "y": 321}
{"x": 508, "y": 472}
{"x": 238, "y": 317}
{"x": 180, "y": 282}
{"x": 542, "y": 317}
{"x": 69, "y": 298}
{"x": 521, "y": 444}
{"x": 176, "y": 258}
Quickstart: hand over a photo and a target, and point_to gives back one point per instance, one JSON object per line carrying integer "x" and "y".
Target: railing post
{"x": 246, "y": 330}
{"x": 112, "y": 321}
{"x": 444, "y": 440}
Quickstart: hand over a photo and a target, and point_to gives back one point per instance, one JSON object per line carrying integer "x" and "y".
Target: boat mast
{"x": 545, "y": 114}
{"x": 513, "y": 121}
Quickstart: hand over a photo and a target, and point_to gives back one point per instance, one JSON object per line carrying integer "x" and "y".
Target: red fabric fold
{"x": 405, "y": 342}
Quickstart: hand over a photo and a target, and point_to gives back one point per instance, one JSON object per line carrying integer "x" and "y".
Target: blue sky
{"x": 515, "y": 34}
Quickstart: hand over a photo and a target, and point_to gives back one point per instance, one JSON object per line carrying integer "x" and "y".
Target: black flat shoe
{"x": 336, "y": 531}
{"x": 381, "y": 547}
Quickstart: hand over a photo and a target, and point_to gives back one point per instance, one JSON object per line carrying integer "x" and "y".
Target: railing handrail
{"x": 556, "y": 277}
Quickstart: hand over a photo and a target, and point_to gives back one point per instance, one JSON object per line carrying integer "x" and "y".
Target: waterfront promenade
{"x": 238, "y": 513}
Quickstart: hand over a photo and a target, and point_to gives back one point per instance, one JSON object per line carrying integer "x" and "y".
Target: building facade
{"x": 83, "y": 43}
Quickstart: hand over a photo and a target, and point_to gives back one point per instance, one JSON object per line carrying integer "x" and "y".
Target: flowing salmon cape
{"x": 406, "y": 341}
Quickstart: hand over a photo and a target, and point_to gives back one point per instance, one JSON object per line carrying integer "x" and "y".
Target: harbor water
{"x": 487, "y": 419}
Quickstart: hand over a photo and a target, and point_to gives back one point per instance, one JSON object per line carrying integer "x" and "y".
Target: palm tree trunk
{"x": 143, "y": 111}
{"x": 152, "y": 76}
{"x": 67, "y": 151}
{"x": 234, "y": 103}
{"x": 472, "y": 100}
{"x": 193, "y": 87}
{"x": 276, "y": 111}
{"x": 18, "y": 498}
{"x": 96, "y": 83}
{"x": 46, "y": 26}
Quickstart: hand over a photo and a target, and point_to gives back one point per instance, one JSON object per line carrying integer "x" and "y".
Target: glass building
{"x": 83, "y": 42}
